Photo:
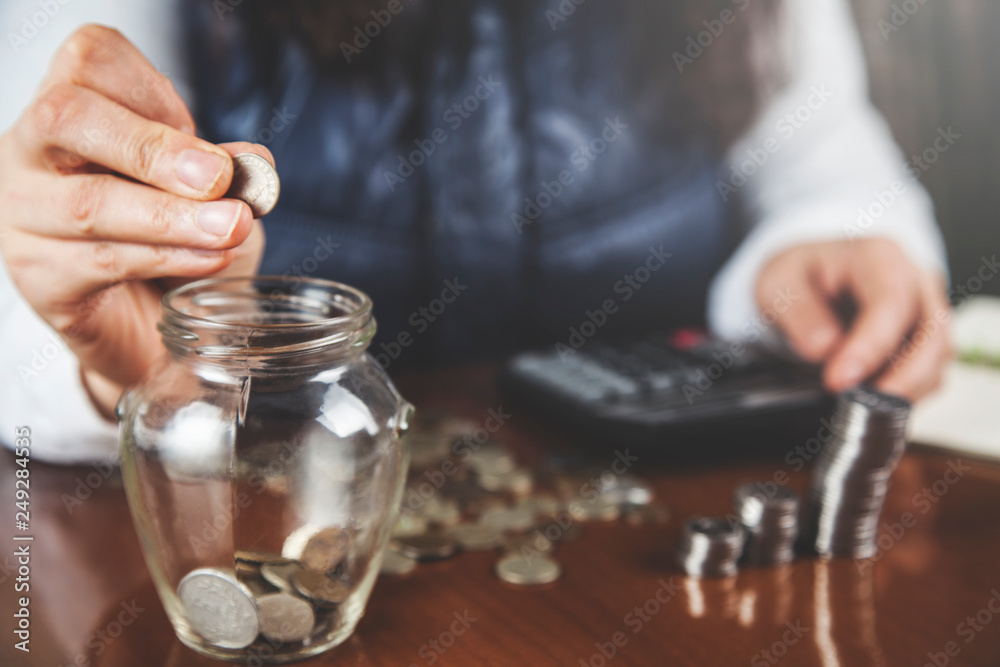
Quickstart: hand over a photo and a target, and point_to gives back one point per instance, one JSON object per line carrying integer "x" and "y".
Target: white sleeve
{"x": 40, "y": 383}
{"x": 820, "y": 164}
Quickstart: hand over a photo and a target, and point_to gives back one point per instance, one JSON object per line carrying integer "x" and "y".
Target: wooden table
{"x": 92, "y": 602}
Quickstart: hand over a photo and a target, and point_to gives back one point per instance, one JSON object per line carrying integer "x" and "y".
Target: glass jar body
{"x": 264, "y": 499}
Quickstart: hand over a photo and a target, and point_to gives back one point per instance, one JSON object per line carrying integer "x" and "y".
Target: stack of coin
{"x": 770, "y": 517}
{"x": 710, "y": 547}
{"x": 851, "y": 477}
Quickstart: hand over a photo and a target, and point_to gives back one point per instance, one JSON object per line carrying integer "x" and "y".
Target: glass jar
{"x": 263, "y": 465}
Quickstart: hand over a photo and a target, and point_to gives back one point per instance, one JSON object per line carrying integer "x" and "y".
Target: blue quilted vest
{"x": 503, "y": 200}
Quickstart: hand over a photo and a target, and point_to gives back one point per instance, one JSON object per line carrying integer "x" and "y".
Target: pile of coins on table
{"x": 281, "y": 599}
{"x": 851, "y": 477}
{"x": 841, "y": 513}
{"x": 468, "y": 496}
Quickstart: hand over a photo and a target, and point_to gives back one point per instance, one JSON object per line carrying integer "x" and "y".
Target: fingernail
{"x": 219, "y": 217}
{"x": 199, "y": 169}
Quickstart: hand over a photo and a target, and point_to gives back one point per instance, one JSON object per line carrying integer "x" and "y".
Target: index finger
{"x": 102, "y": 59}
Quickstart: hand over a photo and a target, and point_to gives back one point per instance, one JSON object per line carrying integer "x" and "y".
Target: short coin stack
{"x": 469, "y": 495}
{"x": 710, "y": 547}
{"x": 851, "y": 478}
{"x": 770, "y": 516}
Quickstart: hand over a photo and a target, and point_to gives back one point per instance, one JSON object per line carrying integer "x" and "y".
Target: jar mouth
{"x": 265, "y": 316}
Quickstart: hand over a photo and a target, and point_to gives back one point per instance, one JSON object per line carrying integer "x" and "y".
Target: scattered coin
{"x": 515, "y": 569}
{"x": 600, "y": 508}
{"x": 426, "y": 547}
{"x": 325, "y": 549}
{"x": 284, "y": 618}
{"x": 219, "y": 608}
{"x": 515, "y": 481}
{"x": 508, "y": 518}
{"x": 320, "y": 587}
{"x": 408, "y": 524}
{"x": 472, "y": 537}
{"x": 396, "y": 564}
{"x": 640, "y": 515}
{"x": 256, "y": 182}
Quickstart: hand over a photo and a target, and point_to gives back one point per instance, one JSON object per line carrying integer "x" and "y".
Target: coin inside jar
{"x": 325, "y": 549}
{"x": 285, "y": 618}
{"x": 515, "y": 569}
{"x": 320, "y": 587}
{"x": 219, "y": 608}
{"x": 280, "y": 575}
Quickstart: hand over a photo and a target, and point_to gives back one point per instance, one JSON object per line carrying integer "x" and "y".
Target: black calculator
{"x": 669, "y": 393}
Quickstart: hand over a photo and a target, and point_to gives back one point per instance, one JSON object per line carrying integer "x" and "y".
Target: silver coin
{"x": 219, "y": 608}
{"x": 514, "y": 569}
{"x": 426, "y": 547}
{"x": 284, "y": 618}
{"x": 474, "y": 537}
{"x": 280, "y": 575}
{"x": 256, "y": 182}
{"x": 396, "y": 564}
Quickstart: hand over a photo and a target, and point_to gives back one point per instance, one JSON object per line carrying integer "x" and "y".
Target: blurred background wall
{"x": 935, "y": 64}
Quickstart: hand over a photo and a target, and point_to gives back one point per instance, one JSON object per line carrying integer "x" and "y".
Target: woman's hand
{"x": 898, "y": 336}
{"x": 105, "y": 192}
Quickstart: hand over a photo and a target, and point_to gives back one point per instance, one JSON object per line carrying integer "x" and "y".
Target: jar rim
{"x": 362, "y": 309}
{"x": 301, "y": 309}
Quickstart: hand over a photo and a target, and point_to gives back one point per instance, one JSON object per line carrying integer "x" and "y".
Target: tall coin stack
{"x": 851, "y": 477}
{"x": 770, "y": 516}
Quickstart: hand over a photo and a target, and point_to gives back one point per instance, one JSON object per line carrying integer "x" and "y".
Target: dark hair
{"x": 710, "y": 88}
